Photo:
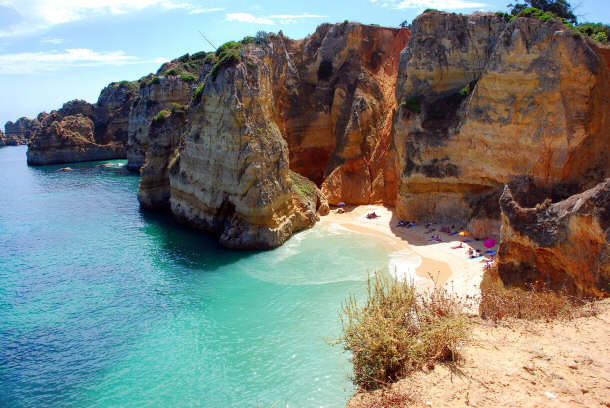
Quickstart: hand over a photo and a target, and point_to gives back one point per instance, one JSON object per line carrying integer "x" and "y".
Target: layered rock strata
{"x": 485, "y": 102}
{"x": 162, "y": 153}
{"x": 334, "y": 100}
{"x": 232, "y": 174}
{"x": 68, "y": 139}
{"x": 565, "y": 245}
{"x": 152, "y": 99}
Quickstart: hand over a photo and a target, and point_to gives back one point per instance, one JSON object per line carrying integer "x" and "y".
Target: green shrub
{"x": 532, "y": 12}
{"x": 161, "y": 116}
{"x": 227, "y": 58}
{"x": 398, "y": 331}
{"x": 198, "y": 93}
{"x": 188, "y": 78}
{"x": 176, "y": 108}
{"x": 428, "y": 10}
{"x": 247, "y": 40}
{"x": 325, "y": 69}
{"x": 505, "y": 16}
{"x": 199, "y": 55}
{"x": 210, "y": 59}
{"x": 226, "y": 47}
{"x": 301, "y": 185}
{"x": 597, "y": 31}
{"x": 413, "y": 104}
{"x": 154, "y": 80}
{"x": 173, "y": 72}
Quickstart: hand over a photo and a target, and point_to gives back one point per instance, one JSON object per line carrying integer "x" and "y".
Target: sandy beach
{"x": 432, "y": 261}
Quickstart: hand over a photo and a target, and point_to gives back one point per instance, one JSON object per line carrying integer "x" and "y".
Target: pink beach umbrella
{"x": 489, "y": 243}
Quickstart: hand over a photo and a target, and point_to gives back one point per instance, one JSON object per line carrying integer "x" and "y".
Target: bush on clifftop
{"x": 399, "y": 330}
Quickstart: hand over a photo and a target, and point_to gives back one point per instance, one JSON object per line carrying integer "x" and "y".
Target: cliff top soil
{"x": 518, "y": 364}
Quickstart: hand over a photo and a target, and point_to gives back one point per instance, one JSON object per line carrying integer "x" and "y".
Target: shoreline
{"x": 427, "y": 262}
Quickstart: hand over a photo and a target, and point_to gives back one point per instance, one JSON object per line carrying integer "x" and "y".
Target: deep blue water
{"x": 105, "y": 305}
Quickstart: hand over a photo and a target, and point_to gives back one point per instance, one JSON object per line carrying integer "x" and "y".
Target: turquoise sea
{"x": 105, "y": 305}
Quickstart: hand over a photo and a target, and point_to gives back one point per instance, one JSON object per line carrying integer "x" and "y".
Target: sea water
{"x": 105, "y": 305}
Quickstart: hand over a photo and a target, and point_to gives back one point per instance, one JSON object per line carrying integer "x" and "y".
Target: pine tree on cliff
{"x": 561, "y": 8}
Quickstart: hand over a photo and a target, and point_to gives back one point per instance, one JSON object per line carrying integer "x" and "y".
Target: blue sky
{"x": 52, "y": 51}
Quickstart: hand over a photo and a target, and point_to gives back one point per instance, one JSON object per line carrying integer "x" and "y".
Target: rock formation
{"x": 321, "y": 107}
{"x": 2, "y": 138}
{"x": 58, "y": 139}
{"x": 173, "y": 83}
{"x": 154, "y": 97}
{"x": 165, "y": 133}
{"x": 232, "y": 174}
{"x": 565, "y": 245}
{"x": 334, "y": 101}
{"x": 20, "y": 132}
{"x": 485, "y": 102}
{"x": 68, "y": 139}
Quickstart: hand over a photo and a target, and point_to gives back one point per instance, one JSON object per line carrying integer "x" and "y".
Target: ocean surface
{"x": 105, "y": 305}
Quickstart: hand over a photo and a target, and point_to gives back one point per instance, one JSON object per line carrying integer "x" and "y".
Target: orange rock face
{"x": 485, "y": 102}
{"x": 565, "y": 245}
{"x": 334, "y": 101}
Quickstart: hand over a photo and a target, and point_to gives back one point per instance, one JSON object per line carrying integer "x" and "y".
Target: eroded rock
{"x": 565, "y": 244}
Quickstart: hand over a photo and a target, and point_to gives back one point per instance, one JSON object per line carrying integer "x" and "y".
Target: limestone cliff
{"x": 566, "y": 244}
{"x": 173, "y": 83}
{"x": 232, "y": 174}
{"x": 334, "y": 100}
{"x": 67, "y": 139}
{"x": 111, "y": 112}
{"x": 485, "y": 102}
{"x": 56, "y": 138}
{"x": 20, "y": 132}
{"x": 165, "y": 133}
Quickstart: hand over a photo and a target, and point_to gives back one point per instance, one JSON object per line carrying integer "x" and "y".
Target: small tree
{"x": 561, "y": 8}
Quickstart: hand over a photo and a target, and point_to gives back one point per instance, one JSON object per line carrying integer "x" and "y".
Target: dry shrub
{"x": 398, "y": 331}
{"x": 537, "y": 302}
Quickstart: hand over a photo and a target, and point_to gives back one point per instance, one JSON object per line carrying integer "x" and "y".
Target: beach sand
{"x": 437, "y": 261}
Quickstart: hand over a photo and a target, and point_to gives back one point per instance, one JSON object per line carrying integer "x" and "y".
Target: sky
{"x": 53, "y": 51}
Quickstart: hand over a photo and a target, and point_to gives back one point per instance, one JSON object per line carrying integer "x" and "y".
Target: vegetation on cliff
{"x": 399, "y": 330}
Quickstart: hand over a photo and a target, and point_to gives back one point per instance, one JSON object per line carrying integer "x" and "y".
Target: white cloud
{"x": 284, "y": 18}
{"x": 39, "y": 14}
{"x": 248, "y": 18}
{"x": 206, "y": 10}
{"x": 436, "y": 4}
{"x": 54, "y": 41}
{"x": 37, "y": 62}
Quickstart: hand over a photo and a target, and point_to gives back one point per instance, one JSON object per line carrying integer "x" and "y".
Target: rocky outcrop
{"x": 165, "y": 133}
{"x": 20, "y": 132}
{"x": 157, "y": 95}
{"x": 321, "y": 107}
{"x": 485, "y": 102}
{"x": 57, "y": 138}
{"x": 67, "y": 139}
{"x": 111, "y": 112}
{"x": 2, "y": 138}
{"x": 232, "y": 174}
{"x": 334, "y": 100}
{"x": 565, "y": 245}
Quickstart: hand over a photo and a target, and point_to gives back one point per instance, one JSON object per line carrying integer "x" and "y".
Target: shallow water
{"x": 105, "y": 305}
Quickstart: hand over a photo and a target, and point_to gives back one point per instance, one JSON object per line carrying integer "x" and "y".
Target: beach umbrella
{"x": 341, "y": 204}
{"x": 464, "y": 233}
{"x": 489, "y": 243}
